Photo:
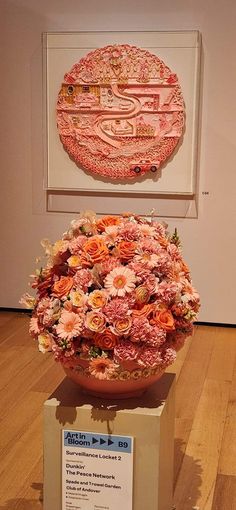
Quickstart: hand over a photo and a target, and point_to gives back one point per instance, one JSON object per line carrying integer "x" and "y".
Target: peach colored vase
{"x": 131, "y": 382}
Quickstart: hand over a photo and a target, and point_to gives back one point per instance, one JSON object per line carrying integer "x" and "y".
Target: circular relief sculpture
{"x": 120, "y": 112}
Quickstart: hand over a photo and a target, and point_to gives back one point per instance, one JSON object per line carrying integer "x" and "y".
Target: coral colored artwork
{"x": 120, "y": 112}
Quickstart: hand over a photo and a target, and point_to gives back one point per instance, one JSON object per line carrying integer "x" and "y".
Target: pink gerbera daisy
{"x": 102, "y": 368}
{"x": 70, "y": 325}
{"x": 120, "y": 281}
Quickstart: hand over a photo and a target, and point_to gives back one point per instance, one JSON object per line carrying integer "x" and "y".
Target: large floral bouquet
{"x": 115, "y": 293}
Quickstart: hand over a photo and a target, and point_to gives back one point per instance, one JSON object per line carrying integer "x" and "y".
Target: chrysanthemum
{"x": 120, "y": 281}
{"x": 147, "y": 230}
{"x": 70, "y": 325}
{"x": 174, "y": 252}
{"x": 27, "y": 301}
{"x": 102, "y": 368}
{"x": 76, "y": 244}
{"x": 150, "y": 245}
{"x": 34, "y": 328}
{"x": 150, "y": 260}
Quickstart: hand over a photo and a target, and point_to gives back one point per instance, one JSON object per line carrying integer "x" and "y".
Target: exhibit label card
{"x": 97, "y": 471}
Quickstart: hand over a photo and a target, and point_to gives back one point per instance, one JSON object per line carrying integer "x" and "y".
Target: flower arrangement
{"x": 114, "y": 299}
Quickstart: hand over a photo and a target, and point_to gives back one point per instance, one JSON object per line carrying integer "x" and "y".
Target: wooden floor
{"x": 205, "y": 437}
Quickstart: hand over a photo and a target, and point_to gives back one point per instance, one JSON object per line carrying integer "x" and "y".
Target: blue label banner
{"x": 97, "y": 441}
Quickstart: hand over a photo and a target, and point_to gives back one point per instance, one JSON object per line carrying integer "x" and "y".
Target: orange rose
{"x": 63, "y": 286}
{"x": 164, "y": 318}
{"x": 122, "y": 326}
{"x": 85, "y": 263}
{"x": 95, "y": 321}
{"x": 95, "y": 250}
{"x": 142, "y": 295}
{"x": 143, "y": 312}
{"x": 126, "y": 250}
{"x": 97, "y": 299}
{"x": 106, "y": 340}
{"x": 43, "y": 282}
{"x": 107, "y": 221}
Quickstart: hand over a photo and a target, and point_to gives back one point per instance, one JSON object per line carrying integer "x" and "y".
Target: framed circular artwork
{"x": 120, "y": 112}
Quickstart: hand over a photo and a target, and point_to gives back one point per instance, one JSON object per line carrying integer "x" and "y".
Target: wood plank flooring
{"x": 205, "y": 431}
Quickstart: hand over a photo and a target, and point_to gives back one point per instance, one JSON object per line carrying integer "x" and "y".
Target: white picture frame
{"x": 181, "y": 52}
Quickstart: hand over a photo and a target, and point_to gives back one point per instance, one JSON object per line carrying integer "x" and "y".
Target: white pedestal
{"x": 150, "y": 420}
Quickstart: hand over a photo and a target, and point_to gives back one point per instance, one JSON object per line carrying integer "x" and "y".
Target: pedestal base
{"x": 149, "y": 419}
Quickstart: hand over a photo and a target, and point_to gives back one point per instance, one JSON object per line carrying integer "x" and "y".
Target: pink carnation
{"x": 167, "y": 291}
{"x": 160, "y": 228}
{"x": 83, "y": 279}
{"x": 140, "y": 330}
{"x": 107, "y": 266}
{"x": 141, "y": 270}
{"x": 149, "y": 357}
{"x": 164, "y": 264}
{"x": 168, "y": 356}
{"x": 43, "y": 305}
{"x": 67, "y": 358}
{"x": 184, "y": 326}
{"x": 152, "y": 283}
{"x": 85, "y": 346}
{"x": 130, "y": 232}
{"x": 48, "y": 318}
{"x": 125, "y": 351}
{"x": 156, "y": 337}
{"x": 117, "y": 308}
{"x": 143, "y": 331}
{"x": 76, "y": 245}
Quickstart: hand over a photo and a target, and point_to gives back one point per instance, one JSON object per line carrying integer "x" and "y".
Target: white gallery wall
{"x": 209, "y": 240}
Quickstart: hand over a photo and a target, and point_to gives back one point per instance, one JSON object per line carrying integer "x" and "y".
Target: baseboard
{"x": 218, "y": 324}
{"x": 17, "y": 310}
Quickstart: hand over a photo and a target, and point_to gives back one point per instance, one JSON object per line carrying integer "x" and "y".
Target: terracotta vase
{"x": 130, "y": 382}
